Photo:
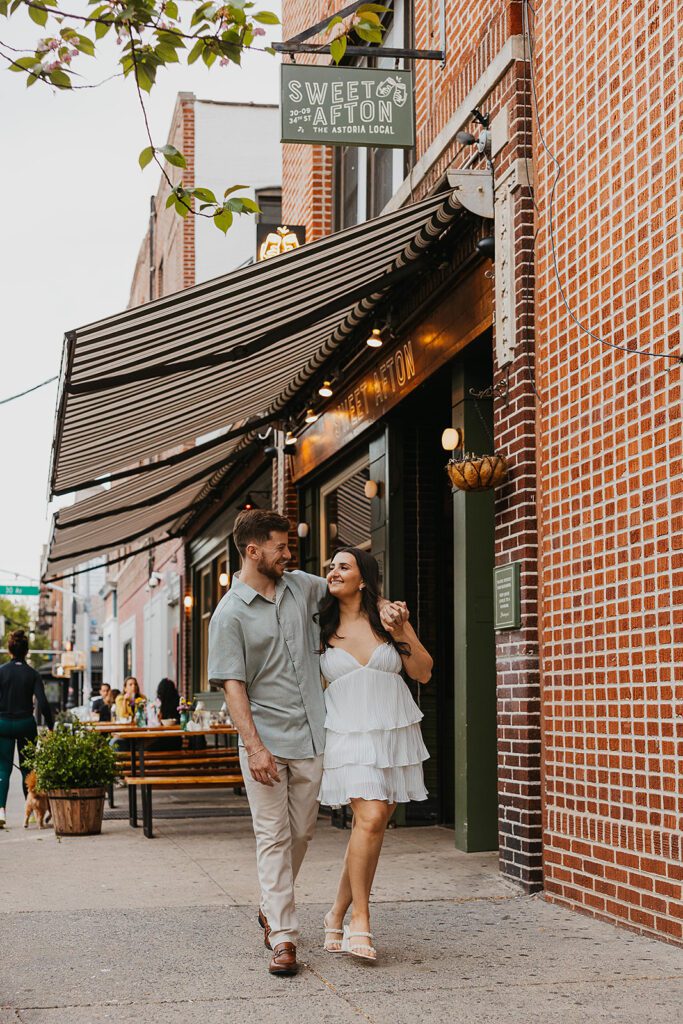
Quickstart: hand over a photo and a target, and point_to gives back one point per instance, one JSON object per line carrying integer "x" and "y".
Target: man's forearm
{"x": 240, "y": 713}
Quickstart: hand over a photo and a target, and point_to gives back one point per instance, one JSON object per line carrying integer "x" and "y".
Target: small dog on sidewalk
{"x": 36, "y": 803}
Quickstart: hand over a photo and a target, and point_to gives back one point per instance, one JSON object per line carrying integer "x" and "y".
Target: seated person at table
{"x": 168, "y": 699}
{"x": 102, "y": 704}
{"x": 125, "y": 702}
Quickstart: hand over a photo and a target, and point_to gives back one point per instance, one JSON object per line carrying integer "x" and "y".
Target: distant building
{"x": 224, "y": 144}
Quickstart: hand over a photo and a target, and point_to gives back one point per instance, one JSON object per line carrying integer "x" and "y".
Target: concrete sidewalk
{"x": 133, "y": 931}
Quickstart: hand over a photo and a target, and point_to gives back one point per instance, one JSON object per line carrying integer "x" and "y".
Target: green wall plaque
{"x": 507, "y": 605}
{"x": 342, "y": 106}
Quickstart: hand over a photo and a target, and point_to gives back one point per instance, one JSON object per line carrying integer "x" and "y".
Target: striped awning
{"x": 139, "y": 389}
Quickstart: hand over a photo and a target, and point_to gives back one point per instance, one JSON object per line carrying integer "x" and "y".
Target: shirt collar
{"x": 247, "y": 593}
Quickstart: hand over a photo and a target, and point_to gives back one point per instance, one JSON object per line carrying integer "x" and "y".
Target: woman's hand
{"x": 394, "y": 615}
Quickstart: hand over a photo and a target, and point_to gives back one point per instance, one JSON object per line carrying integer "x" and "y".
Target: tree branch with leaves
{"x": 151, "y": 34}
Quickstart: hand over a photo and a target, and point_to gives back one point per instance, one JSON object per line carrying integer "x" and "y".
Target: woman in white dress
{"x": 373, "y": 742}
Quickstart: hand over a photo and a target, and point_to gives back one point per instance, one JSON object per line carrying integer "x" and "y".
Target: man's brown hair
{"x": 255, "y": 525}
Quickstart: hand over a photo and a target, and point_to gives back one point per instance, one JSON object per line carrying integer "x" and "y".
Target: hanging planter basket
{"x": 477, "y": 472}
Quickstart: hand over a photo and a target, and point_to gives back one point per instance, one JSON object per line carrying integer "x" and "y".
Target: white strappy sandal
{"x": 361, "y": 950}
{"x": 332, "y": 945}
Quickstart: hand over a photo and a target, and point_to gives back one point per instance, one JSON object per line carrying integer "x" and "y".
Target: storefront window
{"x": 345, "y": 512}
{"x": 205, "y": 612}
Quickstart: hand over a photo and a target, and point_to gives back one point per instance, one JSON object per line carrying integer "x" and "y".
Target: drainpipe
{"x": 152, "y": 268}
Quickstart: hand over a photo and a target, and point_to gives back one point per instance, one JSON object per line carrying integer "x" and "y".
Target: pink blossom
{"x": 223, "y": 62}
{"x": 53, "y": 44}
{"x": 259, "y": 31}
{"x": 67, "y": 58}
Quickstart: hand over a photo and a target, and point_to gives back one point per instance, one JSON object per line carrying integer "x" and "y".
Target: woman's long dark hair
{"x": 168, "y": 696}
{"x": 328, "y": 609}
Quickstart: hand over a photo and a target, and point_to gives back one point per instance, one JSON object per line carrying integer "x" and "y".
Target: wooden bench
{"x": 173, "y": 762}
{"x": 175, "y": 781}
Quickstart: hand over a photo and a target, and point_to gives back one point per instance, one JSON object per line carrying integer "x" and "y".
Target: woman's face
{"x": 131, "y": 688}
{"x": 344, "y": 578}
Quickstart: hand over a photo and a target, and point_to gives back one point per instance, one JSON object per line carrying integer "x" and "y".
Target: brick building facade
{"x": 588, "y": 751}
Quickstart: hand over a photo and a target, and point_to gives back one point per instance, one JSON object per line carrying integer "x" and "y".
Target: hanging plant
{"x": 477, "y": 472}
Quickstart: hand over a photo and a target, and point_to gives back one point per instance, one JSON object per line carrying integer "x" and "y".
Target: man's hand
{"x": 394, "y": 615}
{"x": 263, "y": 767}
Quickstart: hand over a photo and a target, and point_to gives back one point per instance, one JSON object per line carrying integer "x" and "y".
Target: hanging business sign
{"x": 347, "y": 106}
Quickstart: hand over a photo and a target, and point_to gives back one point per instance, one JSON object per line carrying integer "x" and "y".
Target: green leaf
{"x": 166, "y": 53}
{"x": 4, "y": 4}
{"x": 377, "y": 8}
{"x": 170, "y": 38}
{"x": 369, "y": 35}
{"x": 171, "y": 9}
{"x": 101, "y": 30}
{"x": 223, "y": 220}
{"x": 171, "y": 200}
{"x": 182, "y": 207}
{"x": 208, "y": 56}
{"x": 338, "y": 48}
{"x": 266, "y": 18}
{"x": 85, "y": 45}
{"x": 250, "y": 206}
{"x": 145, "y": 77}
{"x": 60, "y": 79}
{"x": 38, "y": 14}
{"x": 335, "y": 21}
{"x": 205, "y": 194}
{"x": 371, "y": 18}
{"x": 146, "y": 156}
{"x": 235, "y": 188}
{"x": 24, "y": 64}
{"x": 173, "y": 156}
{"x": 196, "y": 51}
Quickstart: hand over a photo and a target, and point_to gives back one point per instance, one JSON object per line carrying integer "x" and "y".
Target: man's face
{"x": 273, "y": 557}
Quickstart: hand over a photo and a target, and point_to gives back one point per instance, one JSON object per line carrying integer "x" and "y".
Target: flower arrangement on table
{"x": 140, "y": 711}
{"x": 184, "y": 710}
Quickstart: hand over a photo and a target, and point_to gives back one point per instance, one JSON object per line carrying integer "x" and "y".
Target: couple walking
{"x": 272, "y": 640}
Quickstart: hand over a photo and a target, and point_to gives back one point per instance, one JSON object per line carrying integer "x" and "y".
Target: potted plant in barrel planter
{"x": 74, "y": 765}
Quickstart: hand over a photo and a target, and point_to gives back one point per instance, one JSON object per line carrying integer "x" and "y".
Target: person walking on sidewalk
{"x": 19, "y": 684}
{"x": 263, "y": 650}
{"x": 373, "y": 744}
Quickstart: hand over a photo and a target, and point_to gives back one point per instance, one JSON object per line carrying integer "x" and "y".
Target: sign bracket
{"x": 297, "y": 43}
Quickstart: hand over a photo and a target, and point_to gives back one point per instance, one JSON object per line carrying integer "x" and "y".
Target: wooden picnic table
{"x": 140, "y": 737}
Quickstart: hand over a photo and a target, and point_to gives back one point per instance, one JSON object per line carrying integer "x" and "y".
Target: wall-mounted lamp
{"x": 290, "y": 439}
{"x": 486, "y": 247}
{"x": 248, "y": 505}
{"x": 452, "y": 438}
{"x": 188, "y": 602}
{"x": 375, "y": 338}
{"x": 155, "y": 579}
{"x": 325, "y": 391}
{"x": 302, "y": 530}
{"x": 223, "y": 580}
{"x": 311, "y": 416}
{"x": 371, "y": 488}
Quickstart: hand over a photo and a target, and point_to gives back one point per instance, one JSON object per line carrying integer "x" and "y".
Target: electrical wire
{"x": 20, "y": 394}
{"x": 551, "y": 231}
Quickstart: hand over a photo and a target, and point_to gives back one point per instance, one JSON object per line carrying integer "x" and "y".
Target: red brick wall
{"x": 609, "y": 448}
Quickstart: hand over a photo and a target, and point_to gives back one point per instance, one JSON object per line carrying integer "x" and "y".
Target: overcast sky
{"x": 74, "y": 211}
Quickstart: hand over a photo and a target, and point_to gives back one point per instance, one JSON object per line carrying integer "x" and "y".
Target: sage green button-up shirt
{"x": 273, "y": 648}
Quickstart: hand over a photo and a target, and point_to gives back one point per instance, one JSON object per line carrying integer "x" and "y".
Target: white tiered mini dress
{"x": 373, "y": 743}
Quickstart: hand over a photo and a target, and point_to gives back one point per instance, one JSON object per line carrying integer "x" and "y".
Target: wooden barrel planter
{"x": 77, "y": 812}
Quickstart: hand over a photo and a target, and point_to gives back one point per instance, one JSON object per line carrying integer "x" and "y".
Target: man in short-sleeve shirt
{"x": 264, "y": 650}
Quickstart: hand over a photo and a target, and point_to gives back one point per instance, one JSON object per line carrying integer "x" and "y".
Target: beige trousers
{"x": 284, "y": 817}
